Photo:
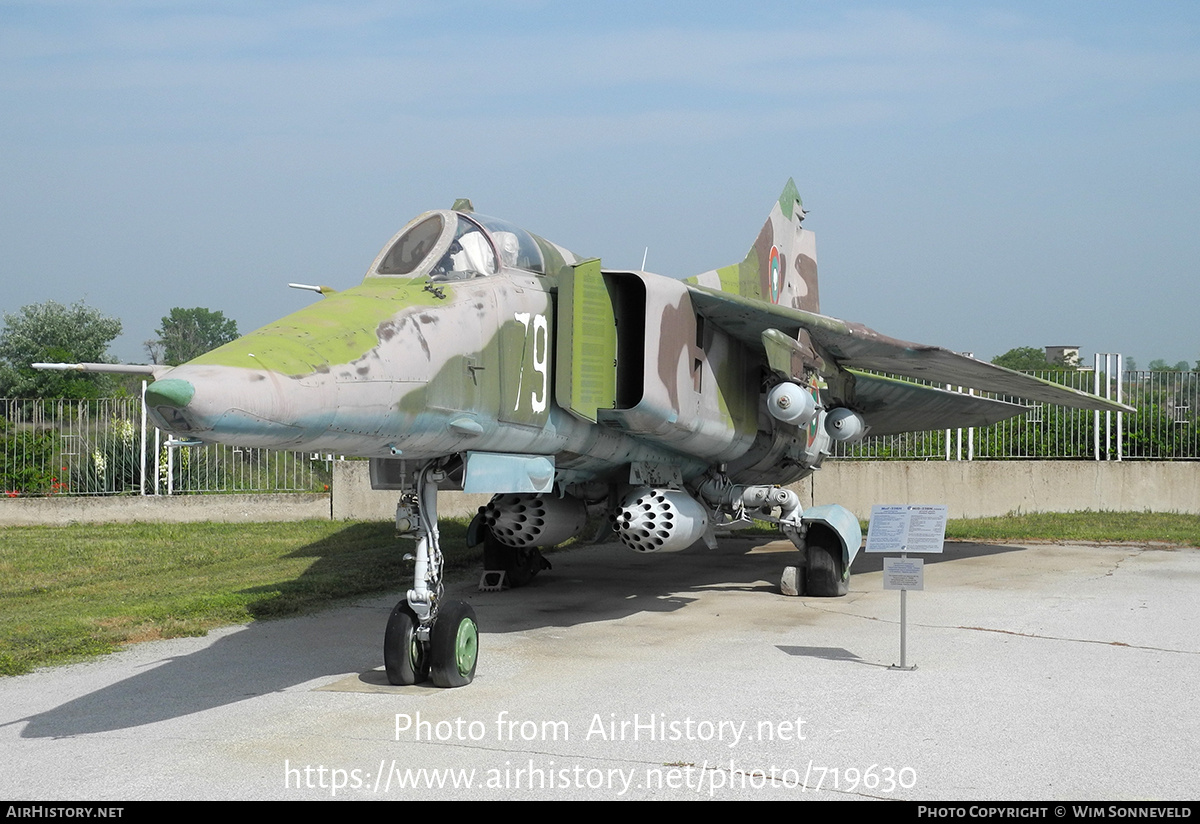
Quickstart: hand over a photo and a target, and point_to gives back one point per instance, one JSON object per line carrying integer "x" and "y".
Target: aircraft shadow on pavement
{"x": 951, "y": 551}
{"x": 592, "y": 584}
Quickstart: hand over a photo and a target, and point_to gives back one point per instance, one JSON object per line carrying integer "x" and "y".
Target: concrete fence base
{"x": 971, "y": 489}
{"x": 980, "y": 489}
{"x": 354, "y": 500}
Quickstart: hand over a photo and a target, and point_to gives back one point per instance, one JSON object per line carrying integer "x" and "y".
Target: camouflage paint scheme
{"x": 419, "y": 367}
{"x": 479, "y": 356}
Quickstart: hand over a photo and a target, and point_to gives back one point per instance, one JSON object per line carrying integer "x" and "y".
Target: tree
{"x": 189, "y": 333}
{"x": 1025, "y": 358}
{"x": 51, "y": 332}
{"x": 1160, "y": 365}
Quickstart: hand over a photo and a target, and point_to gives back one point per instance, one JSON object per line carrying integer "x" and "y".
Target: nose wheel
{"x": 448, "y": 658}
{"x": 454, "y": 646}
{"x": 405, "y": 656}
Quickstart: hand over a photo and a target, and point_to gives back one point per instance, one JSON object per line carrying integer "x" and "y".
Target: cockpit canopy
{"x": 446, "y": 245}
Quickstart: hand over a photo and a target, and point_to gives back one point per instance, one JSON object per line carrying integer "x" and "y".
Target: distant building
{"x": 1066, "y": 355}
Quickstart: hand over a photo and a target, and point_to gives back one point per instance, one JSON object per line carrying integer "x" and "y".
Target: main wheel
{"x": 825, "y": 576}
{"x": 404, "y": 656}
{"x": 454, "y": 646}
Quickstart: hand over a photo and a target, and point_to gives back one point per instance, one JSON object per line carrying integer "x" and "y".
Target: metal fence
{"x": 106, "y": 447}
{"x": 1167, "y": 424}
{"x": 1164, "y": 427}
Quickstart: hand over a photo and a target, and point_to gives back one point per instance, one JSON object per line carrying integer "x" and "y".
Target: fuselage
{"x": 448, "y": 345}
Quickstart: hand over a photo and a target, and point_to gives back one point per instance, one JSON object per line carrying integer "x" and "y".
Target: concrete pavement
{"x": 1043, "y": 672}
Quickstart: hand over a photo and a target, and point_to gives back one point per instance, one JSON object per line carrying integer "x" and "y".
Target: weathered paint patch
{"x": 336, "y": 330}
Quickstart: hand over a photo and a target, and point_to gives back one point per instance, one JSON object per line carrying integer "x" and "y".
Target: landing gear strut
{"x": 428, "y": 637}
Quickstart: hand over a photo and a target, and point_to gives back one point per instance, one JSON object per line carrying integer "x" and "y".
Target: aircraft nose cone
{"x": 173, "y": 392}
{"x": 239, "y": 406}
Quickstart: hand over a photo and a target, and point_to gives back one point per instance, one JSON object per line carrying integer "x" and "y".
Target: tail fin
{"x": 781, "y": 266}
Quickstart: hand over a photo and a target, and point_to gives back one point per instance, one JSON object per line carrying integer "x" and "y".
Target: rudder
{"x": 781, "y": 266}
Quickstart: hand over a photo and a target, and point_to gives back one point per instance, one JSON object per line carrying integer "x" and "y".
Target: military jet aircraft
{"x": 476, "y": 355}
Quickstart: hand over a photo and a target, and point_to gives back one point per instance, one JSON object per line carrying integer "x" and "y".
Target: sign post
{"x": 906, "y": 528}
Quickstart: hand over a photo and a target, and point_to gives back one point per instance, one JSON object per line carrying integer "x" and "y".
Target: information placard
{"x": 907, "y": 528}
{"x": 903, "y": 573}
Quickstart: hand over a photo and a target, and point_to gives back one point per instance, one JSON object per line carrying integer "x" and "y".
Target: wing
{"x": 842, "y": 345}
{"x": 108, "y": 368}
{"x": 891, "y": 406}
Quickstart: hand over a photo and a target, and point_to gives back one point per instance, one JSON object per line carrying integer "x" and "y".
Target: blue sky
{"x": 980, "y": 176}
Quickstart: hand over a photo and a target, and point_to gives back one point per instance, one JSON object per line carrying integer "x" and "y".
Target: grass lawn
{"x": 73, "y": 591}
{"x": 1118, "y": 527}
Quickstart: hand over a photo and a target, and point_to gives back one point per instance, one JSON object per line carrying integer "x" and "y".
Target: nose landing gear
{"x": 426, "y": 636}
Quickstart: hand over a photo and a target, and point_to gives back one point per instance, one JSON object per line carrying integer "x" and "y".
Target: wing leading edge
{"x": 107, "y": 368}
{"x": 854, "y": 346}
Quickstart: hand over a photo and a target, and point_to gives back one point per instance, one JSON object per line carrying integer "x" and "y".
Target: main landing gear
{"x": 828, "y": 536}
{"x": 428, "y": 637}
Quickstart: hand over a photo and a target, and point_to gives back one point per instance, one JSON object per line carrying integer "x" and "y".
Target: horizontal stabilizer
{"x": 852, "y": 345}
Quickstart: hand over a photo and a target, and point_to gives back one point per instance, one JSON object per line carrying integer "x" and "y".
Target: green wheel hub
{"x": 466, "y": 646}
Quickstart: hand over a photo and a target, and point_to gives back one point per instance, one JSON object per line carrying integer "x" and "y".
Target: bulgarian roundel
{"x": 775, "y": 267}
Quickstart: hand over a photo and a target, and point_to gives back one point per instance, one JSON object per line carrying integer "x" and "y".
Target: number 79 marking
{"x": 541, "y": 347}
